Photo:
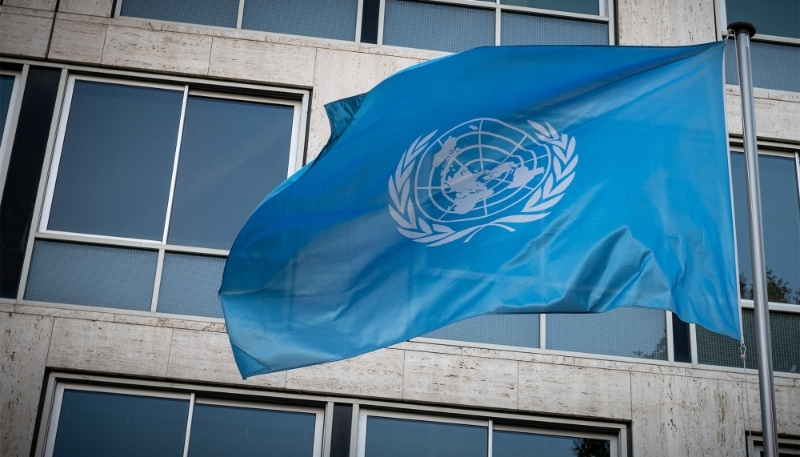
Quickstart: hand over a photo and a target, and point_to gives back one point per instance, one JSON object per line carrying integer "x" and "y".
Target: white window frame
{"x": 298, "y": 99}
{"x": 605, "y": 9}
{"x": 10, "y": 127}
{"x": 191, "y": 397}
{"x": 489, "y": 424}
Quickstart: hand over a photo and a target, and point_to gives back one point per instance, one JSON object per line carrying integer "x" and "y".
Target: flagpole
{"x": 766, "y": 382}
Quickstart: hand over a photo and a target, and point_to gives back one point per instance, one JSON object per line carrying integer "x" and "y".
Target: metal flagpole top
{"x": 743, "y": 31}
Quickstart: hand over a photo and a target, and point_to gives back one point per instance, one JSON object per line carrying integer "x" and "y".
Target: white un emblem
{"x": 482, "y": 173}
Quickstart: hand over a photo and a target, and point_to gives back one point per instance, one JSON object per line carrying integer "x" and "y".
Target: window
{"x": 149, "y": 185}
{"x": 9, "y": 83}
{"x": 100, "y": 421}
{"x": 786, "y": 447}
{"x": 780, "y": 199}
{"x": 775, "y": 50}
{"x": 389, "y": 434}
{"x": 442, "y": 25}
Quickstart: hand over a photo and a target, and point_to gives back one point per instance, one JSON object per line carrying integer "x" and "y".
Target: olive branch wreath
{"x": 418, "y": 229}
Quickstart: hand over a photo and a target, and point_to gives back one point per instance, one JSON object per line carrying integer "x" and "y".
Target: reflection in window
{"x": 518, "y": 444}
{"x": 98, "y": 424}
{"x": 233, "y": 153}
{"x": 781, "y": 222}
{"x": 242, "y": 432}
{"x": 389, "y": 437}
{"x": 116, "y": 161}
{"x": 625, "y": 332}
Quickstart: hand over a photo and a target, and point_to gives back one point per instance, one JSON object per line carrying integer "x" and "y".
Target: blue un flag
{"x": 552, "y": 179}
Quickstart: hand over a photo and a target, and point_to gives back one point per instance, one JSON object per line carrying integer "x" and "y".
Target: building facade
{"x": 139, "y": 134}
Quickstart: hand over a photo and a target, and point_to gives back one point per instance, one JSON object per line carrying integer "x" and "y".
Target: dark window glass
{"x": 681, "y": 340}
{"x": 507, "y": 329}
{"x": 626, "y": 332}
{"x": 97, "y": 424}
{"x": 780, "y": 210}
{"x": 91, "y": 275}
{"x": 525, "y": 29}
{"x": 340, "y": 430}
{"x": 242, "y": 432}
{"x": 233, "y": 153}
{"x": 370, "y": 15}
{"x": 24, "y": 170}
{"x": 572, "y": 6}
{"x": 716, "y": 349}
{"x": 189, "y": 285}
{"x": 774, "y": 65}
{"x": 6, "y": 87}
{"x": 405, "y": 438}
{"x": 334, "y": 19}
{"x": 437, "y": 26}
{"x": 770, "y": 17}
{"x": 117, "y": 160}
{"x": 516, "y": 444}
{"x": 221, "y": 13}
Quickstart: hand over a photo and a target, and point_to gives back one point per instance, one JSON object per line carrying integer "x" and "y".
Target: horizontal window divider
{"x": 125, "y": 391}
{"x": 395, "y": 414}
{"x": 769, "y": 38}
{"x": 568, "y": 433}
{"x": 242, "y": 97}
{"x": 781, "y": 307}
{"x": 129, "y": 243}
{"x": 119, "y": 311}
{"x": 204, "y": 400}
{"x": 783, "y": 148}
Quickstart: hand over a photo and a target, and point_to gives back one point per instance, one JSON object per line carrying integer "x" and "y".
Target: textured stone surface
{"x": 100, "y": 8}
{"x": 574, "y": 391}
{"x": 264, "y": 62}
{"x": 77, "y": 41}
{"x": 787, "y": 408}
{"x": 109, "y": 348}
{"x": 156, "y": 50}
{"x": 47, "y": 5}
{"x": 776, "y": 117}
{"x": 24, "y": 35}
{"x": 461, "y": 380}
{"x": 666, "y": 22}
{"x": 23, "y": 350}
{"x": 684, "y": 416}
{"x": 376, "y": 374}
{"x": 207, "y": 356}
{"x": 340, "y": 74}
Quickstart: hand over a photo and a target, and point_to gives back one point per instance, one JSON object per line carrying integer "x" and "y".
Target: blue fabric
{"x": 553, "y": 179}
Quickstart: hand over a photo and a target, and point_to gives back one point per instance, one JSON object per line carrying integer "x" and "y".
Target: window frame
{"x": 298, "y": 98}
{"x": 755, "y": 446}
{"x": 193, "y": 399}
{"x": 606, "y": 8}
{"x": 12, "y": 118}
{"x": 364, "y": 413}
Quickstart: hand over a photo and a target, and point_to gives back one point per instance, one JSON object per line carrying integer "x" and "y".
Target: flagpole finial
{"x": 742, "y": 26}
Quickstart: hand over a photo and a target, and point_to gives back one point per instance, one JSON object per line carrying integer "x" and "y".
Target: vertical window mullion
{"x": 693, "y": 341}
{"x": 157, "y": 282}
{"x": 497, "y": 29}
{"x": 381, "y": 21}
{"x": 670, "y": 338}
{"x": 189, "y": 425}
{"x": 490, "y": 429}
{"x": 542, "y": 331}
{"x": 359, "y": 19}
{"x": 175, "y": 164}
{"x": 240, "y": 14}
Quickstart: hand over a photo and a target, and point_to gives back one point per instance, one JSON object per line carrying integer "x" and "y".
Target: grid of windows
{"x": 157, "y": 179}
{"x": 442, "y": 25}
{"x": 125, "y": 418}
{"x": 100, "y": 421}
{"x": 387, "y": 434}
